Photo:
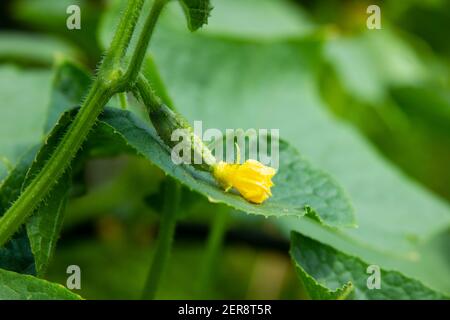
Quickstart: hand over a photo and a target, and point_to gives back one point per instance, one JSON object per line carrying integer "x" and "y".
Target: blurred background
{"x": 391, "y": 85}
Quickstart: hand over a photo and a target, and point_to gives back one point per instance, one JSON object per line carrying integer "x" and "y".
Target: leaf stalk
{"x": 172, "y": 194}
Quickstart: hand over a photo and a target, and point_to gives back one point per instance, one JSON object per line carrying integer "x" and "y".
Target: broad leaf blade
{"x": 330, "y": 274}
{"x": 370, "y": 62}
{"x": 278, "y": 88}
{"x": 300, "y": 189}
{"x": 16, "y": 137}
{"x": 14, "y": 286}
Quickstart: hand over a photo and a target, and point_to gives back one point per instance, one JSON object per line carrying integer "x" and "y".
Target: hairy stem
{"x": 150, "y": 100}
{"x": 104, "y": 87}
{"x": 144, "y": 39}
{"x": 165, "y": 238}
{"x": 36, "y": 191}
{"x": 166, "y": 121}
{"x": 124, "y": 32}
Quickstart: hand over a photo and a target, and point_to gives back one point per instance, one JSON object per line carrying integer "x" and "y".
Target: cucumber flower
{"x": 252, "y": 179}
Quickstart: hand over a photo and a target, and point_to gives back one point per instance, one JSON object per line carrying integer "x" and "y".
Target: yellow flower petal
{"x": 252, "y": 179}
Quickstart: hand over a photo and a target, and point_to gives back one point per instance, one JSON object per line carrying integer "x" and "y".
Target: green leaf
{"x": 43, "y": 228}
{"x": 70, "y": 84}
{"x": 250, "y": 19}
{"x": 329, "y": 205}
{"x": 197, "y": 12}
{"x": 16, "y": 254}
{"x": 22, "y": 118}
{"x": 329, "y": 274}
{"x": 45, "y": 224}
{"x": 300, "y": 189}
{"x": 277, "y": 87}
{"x": 14, "y": 286}
{"x": 214, "y": 95}
{"x": 370, "y": 62}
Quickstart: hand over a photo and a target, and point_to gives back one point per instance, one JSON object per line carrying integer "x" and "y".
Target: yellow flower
{"x": 252, "y": 179}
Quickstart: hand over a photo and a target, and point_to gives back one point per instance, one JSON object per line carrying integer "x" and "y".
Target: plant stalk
{"x": 213, "y": 248}
{"x": 104, "y": 87}
{"x": 172, "y": 193}
{"x": 150, "y": 100}
{"x": 123, "y": 100}
{"x": 137, "y": 59}
{"x": 66, "y": 150}
{"x": 166, "y": 121}
{"x": 124, "y": 32}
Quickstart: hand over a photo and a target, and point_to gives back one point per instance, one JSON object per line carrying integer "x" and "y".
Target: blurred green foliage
{"x": 305, "y": 58}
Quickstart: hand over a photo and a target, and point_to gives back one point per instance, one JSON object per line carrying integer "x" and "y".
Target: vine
{"x": 110, "y": 80}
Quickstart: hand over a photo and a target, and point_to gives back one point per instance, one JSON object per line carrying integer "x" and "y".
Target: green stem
{"x": 58, "y": 162}
{"x": 166, "y": 121}
{"x": 151, "y": 101}
{"x": 124, "y": 32}
{"x": 123, "y": 100}
{"x": 104, "y": 87}
{"x": 109, "y": 82}
{"x": 144, "y": 39}
{"x": 213, "y": 247}
{"x": 165, "y": 238}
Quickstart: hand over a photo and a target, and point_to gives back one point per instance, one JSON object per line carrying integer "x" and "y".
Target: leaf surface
{"x": 42, "y": 229}
{"x": 22, "y": 118}
{"x": 14, "y": 286}
{"x": 329, "y": 274}
{"x": 300, "y": 189}
{"x": 243, "y": 82}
